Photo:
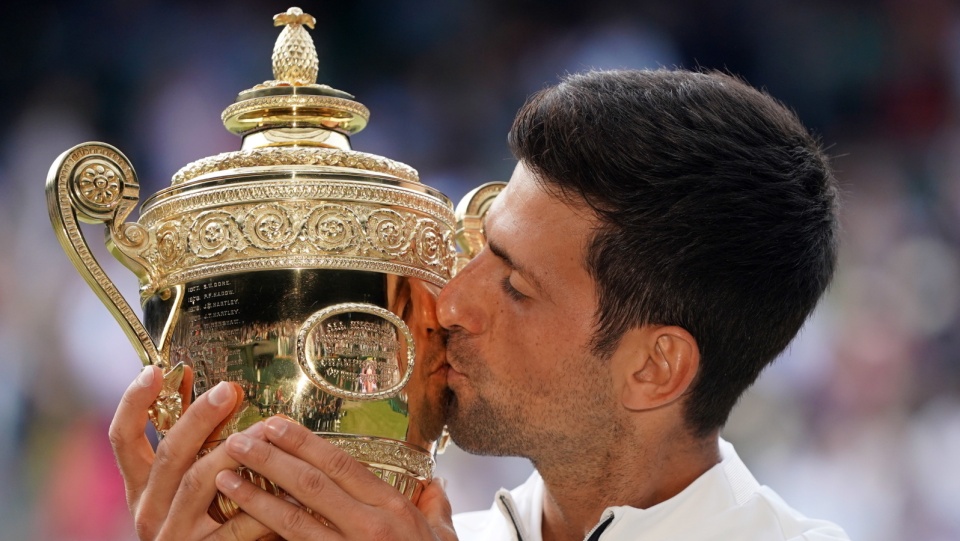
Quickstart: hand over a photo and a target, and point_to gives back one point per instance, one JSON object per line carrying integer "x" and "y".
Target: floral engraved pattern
{"x": 270, "y": 227}
{"x": 333, "y": 228}
{"x": 99, "y": 184}
{"x": 387, "y": 453}
{"x": 258, "y": 157}
{"x": 170, "y": 243}
{"x": 387, "y": 232}
{"x": 212, "y": 233}
{"x": 310, "y": 223}
{"x": 429, "y": 242}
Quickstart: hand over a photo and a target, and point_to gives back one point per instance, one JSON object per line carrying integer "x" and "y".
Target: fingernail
{"x": 240, "y": 442}
{"x": 221, "y": 394}
{"x": 145, "y": 379}
{"x": 441, "y": 481}
{"x": 255, "y": 430}
{"x": 276, "y": 426}
{"x": 228, "y": 480}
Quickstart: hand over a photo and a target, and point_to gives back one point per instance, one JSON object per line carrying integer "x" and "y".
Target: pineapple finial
{"x": 294, "y": 55}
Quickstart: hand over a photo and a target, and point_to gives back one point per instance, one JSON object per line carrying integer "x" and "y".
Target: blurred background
{"x": 858, "y": 422}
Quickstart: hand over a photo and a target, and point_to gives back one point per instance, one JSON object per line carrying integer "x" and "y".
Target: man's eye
{"x": 511, "y": 291}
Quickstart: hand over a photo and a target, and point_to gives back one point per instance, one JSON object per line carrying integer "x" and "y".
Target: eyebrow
{"x": 502, "y": 254}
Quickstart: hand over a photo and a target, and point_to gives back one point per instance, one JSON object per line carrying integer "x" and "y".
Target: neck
{"x": 648, "y": 475}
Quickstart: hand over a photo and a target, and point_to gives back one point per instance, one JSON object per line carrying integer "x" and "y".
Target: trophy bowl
{"x": 299, "y": 268}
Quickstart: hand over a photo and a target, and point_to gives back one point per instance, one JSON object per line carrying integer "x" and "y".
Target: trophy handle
{"x": 95, "y": 183}
{"x": 470, "y": 214}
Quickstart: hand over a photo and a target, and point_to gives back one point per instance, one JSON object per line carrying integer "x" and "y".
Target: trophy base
{"x": 401, "y": 465}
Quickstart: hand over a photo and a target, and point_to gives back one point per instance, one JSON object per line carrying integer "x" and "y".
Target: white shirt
{"x": 725, "y": 503}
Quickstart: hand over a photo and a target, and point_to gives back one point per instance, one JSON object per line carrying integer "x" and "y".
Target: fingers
{"x": 325, "y": 479}
{"x": 435, "y": 507}
{"x": 177, "y": 452}
{"x": 240, "y": 527}
{"x": 304, "y": 482}
{"x": 197, "y": 489}
{"x": 130, "y": 445}
{"x": 291, "y": 521}
{"x": 354, "y": 478}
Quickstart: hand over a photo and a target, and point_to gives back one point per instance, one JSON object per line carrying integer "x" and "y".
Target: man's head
{"x": 716, "y": 213}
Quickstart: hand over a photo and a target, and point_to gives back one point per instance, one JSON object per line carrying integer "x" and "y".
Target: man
{"x": 664, "y": 236}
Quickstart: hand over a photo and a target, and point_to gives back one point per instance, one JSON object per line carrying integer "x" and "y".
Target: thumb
{"x": 435, "y": 507}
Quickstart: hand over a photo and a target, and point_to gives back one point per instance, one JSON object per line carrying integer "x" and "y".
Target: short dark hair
{"x": 718, "y": 213}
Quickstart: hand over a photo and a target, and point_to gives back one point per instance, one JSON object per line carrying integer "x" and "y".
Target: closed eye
{"x": 511, "y": 291}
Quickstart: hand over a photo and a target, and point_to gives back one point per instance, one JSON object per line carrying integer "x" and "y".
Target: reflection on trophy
{"x": 301, "y": 269}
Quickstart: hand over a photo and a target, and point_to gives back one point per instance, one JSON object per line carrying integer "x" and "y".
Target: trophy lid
{"x": 296, "y": 195}
{"x": 284, "y": 121}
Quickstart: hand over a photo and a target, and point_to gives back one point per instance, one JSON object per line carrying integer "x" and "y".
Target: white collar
{"x": 728, "y": 483}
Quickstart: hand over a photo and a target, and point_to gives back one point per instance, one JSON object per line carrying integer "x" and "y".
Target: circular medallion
{"x": 269, "y": 227}
{"x": 333, "y": 228}
{"x": 212, "y": 233}
{"x": 429, "y": 243}
{"x": 387, "y": 231}
{"x": 170, "y": 244}
{"x": 98, "y": 183}
{"x": 356, "y": 351}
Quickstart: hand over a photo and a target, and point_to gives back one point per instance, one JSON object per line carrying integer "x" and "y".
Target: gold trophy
{"x": 303, "y": 270}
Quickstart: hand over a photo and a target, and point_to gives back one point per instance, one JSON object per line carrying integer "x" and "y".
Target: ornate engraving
{"x": 382, "y": 452}
{"x": 294, "y": 55}
{"x": 428, "y": 241}
{"x": 212, "y": 233}
{"x": 304, "y": 188}
{"x": 309, "y": 224}
{"x": 304, "y": 262}
{"x": 333, "y": 228}
{"x": 170, "y": 243}
{"x": 267, "y": 156}
{"x": 388, "y": 232}
{"x": 65, "y": 206}
{"x": 352, "y": 350}
{"x": 99, "y": 184}
{"x": 168, "y": 407}
{"x": 269, "y": 226}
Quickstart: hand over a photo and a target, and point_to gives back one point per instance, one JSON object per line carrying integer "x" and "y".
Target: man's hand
{"x": 323, "y": 478}
{"x": 172, "y": 483}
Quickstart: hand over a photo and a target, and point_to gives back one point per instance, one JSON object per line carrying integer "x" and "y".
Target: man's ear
{"x": 654, "y": 365}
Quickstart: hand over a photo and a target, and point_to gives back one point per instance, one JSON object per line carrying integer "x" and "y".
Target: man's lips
{"x": 441, "y": 370}
{"x": 453, "y": 374}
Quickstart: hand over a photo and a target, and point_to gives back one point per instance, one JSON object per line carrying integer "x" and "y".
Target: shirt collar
{"x": 728, "y": 483}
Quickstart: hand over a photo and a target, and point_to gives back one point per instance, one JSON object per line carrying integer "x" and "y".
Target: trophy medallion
{"x": 299, "y": 268}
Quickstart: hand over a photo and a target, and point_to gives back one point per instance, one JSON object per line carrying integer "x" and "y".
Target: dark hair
{"x": 718, "y": 213}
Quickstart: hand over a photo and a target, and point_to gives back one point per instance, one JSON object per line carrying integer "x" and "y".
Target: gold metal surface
{"x": 294, "y": 55}
{"x": 95, "y": 183}
{"x": 302, "y": 270}
{"x": 295, "y": 110}
{"x": 267, "y": 156}
{"x": 470, "y": 213}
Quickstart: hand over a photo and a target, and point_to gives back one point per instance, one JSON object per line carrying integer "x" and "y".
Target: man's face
{"x": 520, "y": 318}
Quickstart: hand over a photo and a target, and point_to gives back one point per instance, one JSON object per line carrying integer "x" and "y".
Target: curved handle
{"x": 470, "y": 213}
{"x": 95, "y": 183}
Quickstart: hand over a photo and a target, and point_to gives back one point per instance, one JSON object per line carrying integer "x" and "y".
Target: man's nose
{"x": 460, "y": 303}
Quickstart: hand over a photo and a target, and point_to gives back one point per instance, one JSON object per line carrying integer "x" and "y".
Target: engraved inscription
{"x": 356, "y": 351}
{"x": 358, "y": 356}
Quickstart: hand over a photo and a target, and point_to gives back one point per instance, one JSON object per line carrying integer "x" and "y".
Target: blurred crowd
{"x": 858, "y": 422}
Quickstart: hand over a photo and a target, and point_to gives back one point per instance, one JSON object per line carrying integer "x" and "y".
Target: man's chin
{"x": 475, "y": 433}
